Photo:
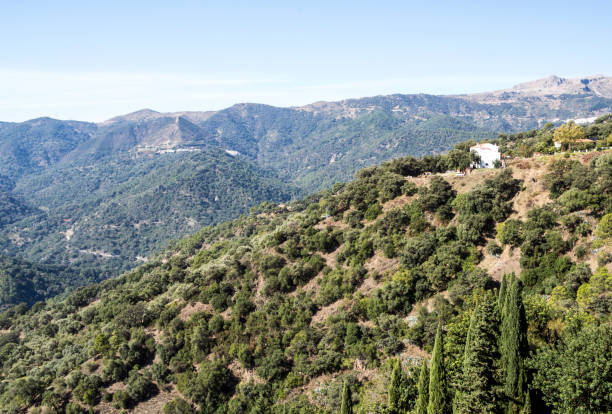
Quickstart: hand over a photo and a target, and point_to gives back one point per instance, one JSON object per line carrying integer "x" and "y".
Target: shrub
{"x": 216, "y": 323}
{"x": 210, "y": 387}
{"x": 178, "y": 406}
{"x": 439, "y": 193}
{"x": 114, "y": 370}
{"x": 373, "y": 211}
{"x": 121, "y": 399}
{"x": 509, "y": 232}
{"x": 493, "y": 248}
{"x": 604, "y": 228}
{"x": 74, "y": 408}
{"x": 353, "y": 219}
{"x": 418, "y": 249}
{"x": 139, "y": 387}
{"x": 581, "y": 251}
{"x": 472, "y": 228}
{"x": 160, "y": 372}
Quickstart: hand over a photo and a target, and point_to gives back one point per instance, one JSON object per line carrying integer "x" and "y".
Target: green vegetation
{"x": 372, "y": 296}
{"x": 24, "y": 282}
{"x": 102, "y": 197}
{"x": 347, "y": 401}
{"x": 422, "y": 401}
{"x": 525, "y": 144}
{"x": 477, "y": 390}
{"x": 438, "y": 387}
{"x": 111, "y": 215}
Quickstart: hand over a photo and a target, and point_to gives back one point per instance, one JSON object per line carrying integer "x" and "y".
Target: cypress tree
{"x": 347, "y": 402}
{"x": 438, "y": 392}
{"x": 423, "y": 390}
{"x": 514, "y": 346}
{"x": 501, "y": 298}
{"x": 477, "y": 390}
{"x": 394, "y": 391}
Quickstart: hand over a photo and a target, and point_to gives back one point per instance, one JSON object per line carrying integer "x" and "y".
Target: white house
{"x": 488, "y": 153}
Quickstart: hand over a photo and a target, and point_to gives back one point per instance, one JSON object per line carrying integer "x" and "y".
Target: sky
{"x": 91, "y": 60}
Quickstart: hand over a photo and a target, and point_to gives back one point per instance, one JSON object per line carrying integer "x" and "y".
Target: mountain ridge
{"x": 66, "y": 170}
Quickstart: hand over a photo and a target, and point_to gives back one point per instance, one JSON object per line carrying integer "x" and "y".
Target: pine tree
{"x": 438, "y": 389}
{"x": 514, "y": 346}
{"x": 423, "y": 390}
{"x": 395, "y": 389}
{"x": 347, "y": 403}
{"x": 477, "y": 390}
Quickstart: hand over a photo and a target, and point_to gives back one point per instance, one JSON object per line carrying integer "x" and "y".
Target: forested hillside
{"x": 23, "y": 283}
{"x": 105, "y": 196}
{"x": 398, "y": 291}
{"x": 111, "y": 215}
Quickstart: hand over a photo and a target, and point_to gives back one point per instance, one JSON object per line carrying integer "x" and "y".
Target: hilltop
{"x": 278, "y": 310}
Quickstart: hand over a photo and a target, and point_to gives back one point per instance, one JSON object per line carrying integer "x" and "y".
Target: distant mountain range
{"x": 107, "y": 195}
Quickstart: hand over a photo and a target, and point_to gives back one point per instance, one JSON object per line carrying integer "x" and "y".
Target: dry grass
{"x": 369, "y": 285}
{"x": 427, "y": 303}
{"x": 329, "y": 310}
{"x": 397, "y": 202}
{"x": 258, "y": 297}
{"x": 193, "y": 308}
{"x": 156, "y": 403}
{"x": 412, "y": 352}
{"x": 331, "y": 258}
{"x": 244, "y": 375}
{"x": 227, "y": 314}
{"x": 330, "y": 222}
{"x": 381, "y": 264}
{"x": 507, "y": 262}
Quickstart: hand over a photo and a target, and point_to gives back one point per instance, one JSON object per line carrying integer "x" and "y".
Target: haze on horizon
{"x": 70, "y": 60}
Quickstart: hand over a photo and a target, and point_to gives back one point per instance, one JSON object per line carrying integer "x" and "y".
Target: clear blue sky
{"x": 79, "y": 60}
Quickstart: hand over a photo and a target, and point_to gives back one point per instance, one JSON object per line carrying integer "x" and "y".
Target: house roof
{"x": 484, "y": 146}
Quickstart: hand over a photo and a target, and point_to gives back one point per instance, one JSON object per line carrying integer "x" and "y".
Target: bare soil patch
{"x": 507, "y": 262}
{"x": 245, "y": 375}
{"x": 381, "y": 264}
{"x": 193, "y": 308}
{"x": 326, "y": 311}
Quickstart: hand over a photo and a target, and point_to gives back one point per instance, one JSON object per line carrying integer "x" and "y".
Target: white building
{"x": 488, "y": 153}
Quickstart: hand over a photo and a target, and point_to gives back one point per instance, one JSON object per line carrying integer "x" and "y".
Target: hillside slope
{"x": 107, "y": 195}
{"x": 112, "y": 214}
{"x": 26, "y": 283}
{"x": 274, "y": 312}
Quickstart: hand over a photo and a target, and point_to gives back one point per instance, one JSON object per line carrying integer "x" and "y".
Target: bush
{"x": 139, "y": 387}
{"x": 418, "y": 249}
{"x": 581, "y": 251}
{"x": 373, "y": 211}
{"x": 494, "y": 249}
{"x": 509, "y": 232}
{"x": 216, "y": 323}
{"x": 121, "y": 399}
{"x": 353, "y": 219}
{"x": 439, "y": 193}
{"x": 210, "y": 387}
{"x": 114, "y": 370}
{"x": 178, "y": 406}
{"x": 74, "y": 408}
{"x": 472, "y": 228}
{"x": 160, "y": 373}
{"x": 604, "y": 228}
